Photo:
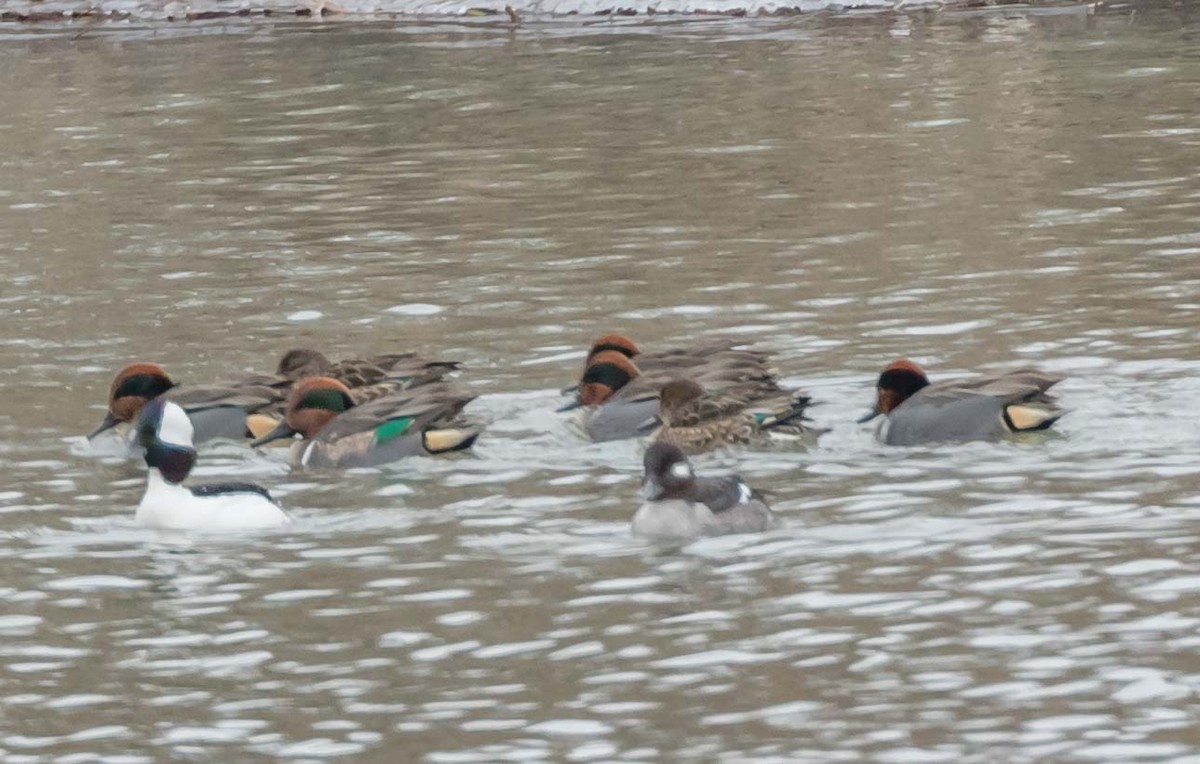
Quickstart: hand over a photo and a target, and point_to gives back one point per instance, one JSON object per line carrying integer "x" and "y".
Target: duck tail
{"x": 258, "y": 425}
{"x": 1032, "y": 416}
{"x": 448, "y": 440}
{"x": 792, "y": 415}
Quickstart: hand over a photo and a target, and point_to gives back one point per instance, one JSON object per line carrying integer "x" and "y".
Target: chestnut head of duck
{"x": 607, "y": 372}
{"x": 618, "y": 343}
{"x": 312, "y": 404}
{"x": 900, "y": 380}
{"x": 134, "y": 386}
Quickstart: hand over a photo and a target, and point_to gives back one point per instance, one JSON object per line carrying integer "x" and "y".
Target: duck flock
{"x": 376, "y": 411}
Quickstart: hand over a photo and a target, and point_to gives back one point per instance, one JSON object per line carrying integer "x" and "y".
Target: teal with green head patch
{"x": 392, "y": 429}
{"x": 329, "y": 400}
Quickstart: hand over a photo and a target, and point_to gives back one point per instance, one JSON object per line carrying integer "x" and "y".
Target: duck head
{"x": 312, "y": 403}
{"x": 299, "y": 363}
{"x": 675, "y": 395}
{"x": 165, "y": 433}
{"x": 133, "y": 387}
{"x": 607, "y": 372}
{"x": 898, "y": 382}
{"x": 668, "y": 473}
{"x": 617, "y": 343}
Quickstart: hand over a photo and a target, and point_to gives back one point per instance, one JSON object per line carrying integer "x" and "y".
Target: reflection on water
{"x": 994, "y": 189}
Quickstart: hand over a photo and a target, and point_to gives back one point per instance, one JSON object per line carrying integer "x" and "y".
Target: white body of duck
{"x": 236, "y": 507}
{"x": 166, "y": 435}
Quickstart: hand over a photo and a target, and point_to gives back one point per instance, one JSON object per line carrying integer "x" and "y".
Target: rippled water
{"x": 974, "y": 191}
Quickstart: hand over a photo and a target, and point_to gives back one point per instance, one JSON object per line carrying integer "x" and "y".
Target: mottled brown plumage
{"x": 697, "y": 420}
{"x": 622, "y": 396}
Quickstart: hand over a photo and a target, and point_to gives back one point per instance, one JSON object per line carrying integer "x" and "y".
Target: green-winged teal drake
{"x": 336, "y": 432}
{"x": 229, "y": 410}
{"x": 680, "y": 505}
{"x": 673, "y": 362}
{"x": 978, "y": 408}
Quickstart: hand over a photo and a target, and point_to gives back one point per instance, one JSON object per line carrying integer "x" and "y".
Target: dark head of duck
{"x": 668, "y": 474}
{"x": 311, "y": 405}
{"x": 133, "y": 387}
{"x": 174, "y": 460}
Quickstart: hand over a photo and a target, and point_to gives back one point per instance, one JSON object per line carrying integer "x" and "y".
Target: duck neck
{"x": 158, "y": 486}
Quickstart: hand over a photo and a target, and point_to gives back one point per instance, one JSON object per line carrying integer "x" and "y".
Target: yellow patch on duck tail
{"x": 260, "y": 424}
{"x": 1031, "y": 417}
{"x": 441, "y": 441}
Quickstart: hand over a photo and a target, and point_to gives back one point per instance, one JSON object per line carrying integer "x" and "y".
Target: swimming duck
{"x": 680, "y": 505}
{"x": 252, "y": 406}
{"x": 622, "y": 401}
{"x": 222, "y": 410}
{"x": 979, "y": 408}
{"x": 336, "y": 432}
{"x": 674, "y": 361}
{"x": 165, "y": 432}
{"x": 397, "y": 369}
{"x": 697, "y": 421}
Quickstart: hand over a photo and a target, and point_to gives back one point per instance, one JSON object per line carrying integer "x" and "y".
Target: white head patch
{"x": 681, "y": 470}
{"x": 745, "y": 493}
{"x": 175, "y": 429}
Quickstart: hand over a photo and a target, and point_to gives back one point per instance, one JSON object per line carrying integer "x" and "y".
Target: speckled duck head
{"x": 899, "y": 381}
{"x": 133, "y": 387}
{"x": 668, "y": 473}
{"x": 675, "y": 396}
{"x": 608, "y": 372}
{"x": 312, "y": 403}
{"x": 166, "y": 432}
{"x": 299, "y": 363}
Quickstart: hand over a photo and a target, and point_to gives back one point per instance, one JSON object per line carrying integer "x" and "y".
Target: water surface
{"x": 974, "y": 191}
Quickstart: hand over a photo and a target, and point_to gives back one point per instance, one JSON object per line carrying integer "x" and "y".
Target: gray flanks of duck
{"x": 979, "y": 408}
{"x": 369, "y": 412}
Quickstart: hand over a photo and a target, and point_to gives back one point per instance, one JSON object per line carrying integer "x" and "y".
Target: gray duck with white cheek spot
{"x": 680, "y": 505}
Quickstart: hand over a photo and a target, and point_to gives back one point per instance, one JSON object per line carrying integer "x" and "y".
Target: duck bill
{"x": 280, "y": 432}
{"x": 869, "y": 415}
{"x": 651, "y": 490}
{"x": 572, "y": 390}
{"x": 109, "y": 422}
{"x": 570, "y": 406}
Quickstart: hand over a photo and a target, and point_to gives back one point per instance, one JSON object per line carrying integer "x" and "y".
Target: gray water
{"x": 973, "y": 190}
